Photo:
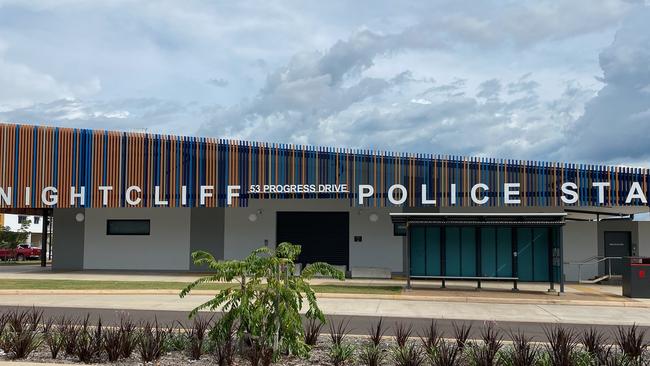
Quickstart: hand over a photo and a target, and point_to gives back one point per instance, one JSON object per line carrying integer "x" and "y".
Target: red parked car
{"x": 21, "y": 253}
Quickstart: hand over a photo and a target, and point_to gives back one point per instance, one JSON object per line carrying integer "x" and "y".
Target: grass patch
{"x": 18, "y": 263}
{"x": 45, "y": 284}
{"x": 356, "y": 289}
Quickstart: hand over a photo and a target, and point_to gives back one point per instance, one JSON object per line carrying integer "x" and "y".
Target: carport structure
{"x": 46, "y": 213}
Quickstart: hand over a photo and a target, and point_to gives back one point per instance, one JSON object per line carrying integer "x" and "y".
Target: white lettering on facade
{"x": 397, "y": 193}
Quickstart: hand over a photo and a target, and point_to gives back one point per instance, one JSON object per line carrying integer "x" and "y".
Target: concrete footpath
{"x": 581, "y": 304}
{"x": 368, "y": 307}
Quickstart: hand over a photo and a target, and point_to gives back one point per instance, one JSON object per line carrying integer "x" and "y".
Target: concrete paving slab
{"x": 456, "y": 291}
{"x": 366, "y": 307}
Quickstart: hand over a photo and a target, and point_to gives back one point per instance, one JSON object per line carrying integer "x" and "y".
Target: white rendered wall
{"x": 379, "y": 247}
{"x": 167, "y": 248}
{"x": 580, "y": 242}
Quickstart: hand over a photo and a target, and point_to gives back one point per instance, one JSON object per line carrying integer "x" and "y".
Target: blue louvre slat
{"x": 34, "y": 154}
{"x": 56, "y": 158}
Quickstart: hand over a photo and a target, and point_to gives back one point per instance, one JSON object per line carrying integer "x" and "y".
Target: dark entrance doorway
{"x": 324, "y": 236}
{"x": 617, "y": 244}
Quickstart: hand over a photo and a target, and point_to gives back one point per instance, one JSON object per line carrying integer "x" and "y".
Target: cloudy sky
{"x": 551, "y": 80}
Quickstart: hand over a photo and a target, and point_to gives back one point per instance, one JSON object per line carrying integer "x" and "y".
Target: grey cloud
{"x": 489, "y": 89}
{"x": 317, "y": 85}
{"x": 445, "y": 121}
{"x": 152, "y": 114}
{"x": 324, "y": 98}
{"x": 350, "y": 92}
{"x": 529, "y": 23}
{"x": 454, "y": 88}
{"x": 523, "y": 85}
{"x": 616, "y": 124}
{"x": 218, "y": 82}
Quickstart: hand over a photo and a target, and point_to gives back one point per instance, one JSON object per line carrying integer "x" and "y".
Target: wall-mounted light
{"x": 80, "y": 217}
{"x": 373, "y": 217}
{"x": 252, "y": 217}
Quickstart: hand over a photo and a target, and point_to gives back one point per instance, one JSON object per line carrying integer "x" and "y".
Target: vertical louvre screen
{"x": 452, "y": 251}
{"x": 524, "y": 254}
{"x": 541, "y": 254}
{"x": 496, "y": 251}
{"x": 425, "y": 251}
{"x": 488, "y": 252}
{"x": 468, "y": 251}
{"x": 433, "y": 251}
{"x": 533, "y": 261}
{"x": 504, "y": 252}
{"x": 418, "y": 245}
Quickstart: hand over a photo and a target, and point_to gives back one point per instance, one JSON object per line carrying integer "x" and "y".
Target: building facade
{"x": 136, "y": 201}
{"x": 31, "y": 224}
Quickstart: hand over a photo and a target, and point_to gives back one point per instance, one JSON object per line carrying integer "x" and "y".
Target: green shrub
{"x": 20, "y": 336}
{"x": 312, "y": 331}
{"x": 266, "y": 305}
{"x": 485, "y": 353}
{"x": 444, "y": 354}
{"x": 111, "y": 343}
{"x": 196, "y": 337}
{"x": 407, "y": 355}
{"x": 631, "y": 342}
{"x": 223, "y": 341}
{"x": 127, "y": 336}
{"x": 89, "y": 341}
{"x": 431, "y": 337}
{"x": 522, "y": 352}
{"x": 402, "y": 334}
{"x": 371, "y": 355}
{"x": 340, "y": 354}
{"x": 151, "y": 341}
{"x": 176, "y": 341}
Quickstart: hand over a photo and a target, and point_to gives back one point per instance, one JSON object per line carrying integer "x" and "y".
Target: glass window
{"x": 128, "y": 227}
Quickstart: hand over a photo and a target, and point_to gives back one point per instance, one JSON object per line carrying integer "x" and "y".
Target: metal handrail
{"x": 595, "y": 260}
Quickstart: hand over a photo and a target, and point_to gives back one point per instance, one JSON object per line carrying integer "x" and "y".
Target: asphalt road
{"x": 358, "y": 325}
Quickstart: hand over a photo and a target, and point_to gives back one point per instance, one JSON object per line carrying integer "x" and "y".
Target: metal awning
{"x": 402, "y": 222}
{"x": 487, "y": 218}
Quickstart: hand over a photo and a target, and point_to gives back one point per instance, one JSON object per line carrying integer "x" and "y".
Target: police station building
{"x": 137, "y": 201}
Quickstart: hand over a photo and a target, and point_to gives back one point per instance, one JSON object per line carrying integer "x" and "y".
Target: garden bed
{"x": 28, "y": 336}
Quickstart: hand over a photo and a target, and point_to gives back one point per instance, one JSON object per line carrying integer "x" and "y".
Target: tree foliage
{"x": 11, "y": 239}
{"x": 264, "y": 306}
